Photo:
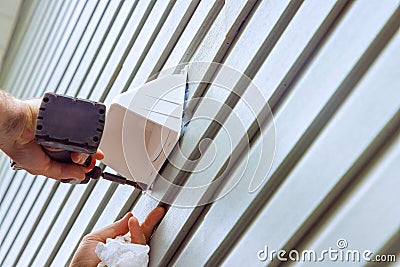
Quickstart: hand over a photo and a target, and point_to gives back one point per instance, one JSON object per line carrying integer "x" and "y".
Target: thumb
{"x": 118, "y": 228}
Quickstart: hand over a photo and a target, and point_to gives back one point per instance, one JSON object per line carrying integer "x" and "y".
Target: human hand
{"x": 139, "y": 234}
{"x": 28, "y": 155}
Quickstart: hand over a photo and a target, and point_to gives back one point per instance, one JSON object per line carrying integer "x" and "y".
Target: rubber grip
{"x": 60, "y": 156}
{"x": 65, "y": 156}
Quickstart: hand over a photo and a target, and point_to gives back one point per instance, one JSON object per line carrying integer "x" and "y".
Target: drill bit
{"x": 123, "y": 180}
{"x": 97, "y": 172}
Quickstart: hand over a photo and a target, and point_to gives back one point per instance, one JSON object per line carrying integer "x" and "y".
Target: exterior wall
{"x": 330, "y": 72}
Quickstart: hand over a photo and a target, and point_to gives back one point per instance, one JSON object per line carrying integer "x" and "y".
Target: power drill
{"x": 65, "y": 125}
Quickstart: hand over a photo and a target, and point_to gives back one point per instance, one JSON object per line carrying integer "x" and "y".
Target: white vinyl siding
{"x": 329, "y": 71}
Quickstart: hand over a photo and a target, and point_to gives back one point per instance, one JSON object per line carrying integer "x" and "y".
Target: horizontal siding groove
{"x": 45, "y": 82}
{"x": 27, "y": 17}
{"x": 253, "y": 66}
{"x": 316, "y": 42}
{"x": 38, "y": 218}
{"x": 71, "y": 221}
{"x": 148, "y": 45}
{"x": 390, "y": 248}
{"x": 26, "y": 50}
{"x": 36, "y": 49}
{"x": 174, "y": 38}
{"x": 125, "y": 54}
{"x": 201, "y": 90}
{"x": 27, "y": 215}
{"x": 35, "y": 84}
{"x": 81, "y": 60}
{"x": 25, "y": 176}
{"x": 209, "y": 20}
{"x": 62, "y": 16}
{"x": 55, "y": 186}
{"x": 22, "y": 181}
{"x": 343, "y": 91}
{"x": 286, "y": 85}
{"x": 103, "y": 40}
{"x": 129, "y": 204}
{"x": 73, "y": 217}
{"x": 326, "y": 163}
{"x": 34, "y": 180}
{"x": 54, "y": 220}
{"x": 69, "y": 225}
{"x": 110, "y": 191}
{"x": 4, "y": 182}
{"x": 229, "y": 42}
{"x": 239, "y": 89}
{"x": 276, "y": 179}
{"x": 71, "y": 189}
{"x": 51, "y": 195}
{"x": 91, "y": 16}
{"x": 7, "y": 191}
{"x": 366, "y": 160}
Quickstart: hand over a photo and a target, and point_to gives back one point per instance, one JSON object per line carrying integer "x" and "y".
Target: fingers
{"x": 118, "y": 228}
{"x": 99, "y": 155}
{"x": 129, "y": 223}
{"x": 151, "y": 221}
{"x": 58, "y": 170}
{"x": 80, "y": 158}
{"x": 137, "y": 236}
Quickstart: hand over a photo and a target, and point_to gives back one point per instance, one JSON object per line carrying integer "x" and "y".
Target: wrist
{"x": 12, "y": 118}
{"x": 31, "y": 109}
{"x": 13, "y": 121}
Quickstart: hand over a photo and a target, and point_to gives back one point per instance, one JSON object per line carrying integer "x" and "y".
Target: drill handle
{"x": 65, "y": 157}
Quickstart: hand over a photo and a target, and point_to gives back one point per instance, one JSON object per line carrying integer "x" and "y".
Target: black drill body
{"x": 65, "y": 125}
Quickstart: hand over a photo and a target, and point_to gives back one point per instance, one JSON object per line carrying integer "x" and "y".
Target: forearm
{"x": 12, "y": 120}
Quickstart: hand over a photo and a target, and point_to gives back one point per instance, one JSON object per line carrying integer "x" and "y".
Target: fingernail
{"x": 161, "y": 209}
{"x": 126, "y": 215}
{"x": 83, "y": 159}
